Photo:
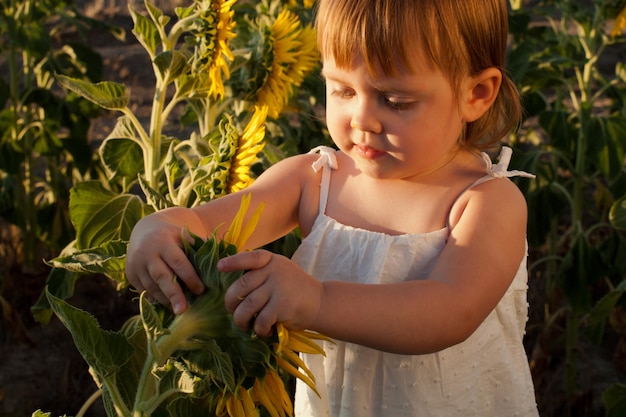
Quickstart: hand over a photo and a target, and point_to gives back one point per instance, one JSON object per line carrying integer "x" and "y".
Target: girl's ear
{"x": 481, "y": 91}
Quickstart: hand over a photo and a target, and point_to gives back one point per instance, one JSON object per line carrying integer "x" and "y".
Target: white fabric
{"x": 485, "y": 376}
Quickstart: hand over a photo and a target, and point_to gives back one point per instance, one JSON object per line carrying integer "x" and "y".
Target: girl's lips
{"x": 368, "y": 153}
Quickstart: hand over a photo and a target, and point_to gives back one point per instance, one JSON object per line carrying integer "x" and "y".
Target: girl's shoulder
{"x": 308, "y": 166}
{"x": 300, "y": 165}
{"x": 490, "y": 200}
{"x": 289, "y": 178}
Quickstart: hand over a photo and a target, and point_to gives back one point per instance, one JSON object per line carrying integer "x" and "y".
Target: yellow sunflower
{"x": 249, "y": 145}
{"x": 268, "y": 391}
{"x": 216, "y": 29}
{"x": 294, "y": 53}
{"x": 307, "y": 58}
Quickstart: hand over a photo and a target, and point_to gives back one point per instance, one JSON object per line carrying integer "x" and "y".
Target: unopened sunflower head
{"x": 237, "y": 373}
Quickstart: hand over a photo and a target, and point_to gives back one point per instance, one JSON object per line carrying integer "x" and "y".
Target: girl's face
{"x": 399, "y": 127}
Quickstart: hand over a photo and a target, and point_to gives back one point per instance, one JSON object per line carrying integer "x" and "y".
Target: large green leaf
{"x": 106, "y": 352}
{"x": 122, "y": 157}
{"x": 106, "y": 94}
{"x": 157, "y": 14}
{"x": 146, "y": 32}
{"x": 61, "y": 283}
{"x": 120, "y": 152}
{"x": 172, "y": 64}
{"x": 153, "y": 197}
{"x": 101, "y": 215}
{"x": 152, "y": 322}
{"x": 211, "y": 363}
{"x": 174, "y": 378}
{"x": 108, "y": 259}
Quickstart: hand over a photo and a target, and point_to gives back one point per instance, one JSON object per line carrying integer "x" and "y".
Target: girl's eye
{"x": 399, "y": 105}
{"x": 343, "y": 93}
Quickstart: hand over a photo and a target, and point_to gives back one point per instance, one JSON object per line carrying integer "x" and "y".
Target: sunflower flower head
{"x": 294, "y": 54}
{"x": 235, "y": 371}
{"x": 215, "y": 28}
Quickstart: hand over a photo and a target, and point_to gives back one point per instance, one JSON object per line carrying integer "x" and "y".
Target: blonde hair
{"x": 459, "y": 37}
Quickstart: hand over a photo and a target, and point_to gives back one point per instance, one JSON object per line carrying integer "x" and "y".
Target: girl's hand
{"x": 273, "y": 290}
{"x": 155, "y": 261}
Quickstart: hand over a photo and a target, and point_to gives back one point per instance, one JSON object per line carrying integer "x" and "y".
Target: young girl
{"x": 414, "y": 249}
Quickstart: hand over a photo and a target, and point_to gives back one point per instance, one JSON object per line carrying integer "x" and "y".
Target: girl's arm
{"x": 483, "y": 253}
{"x": 155, "y": 256}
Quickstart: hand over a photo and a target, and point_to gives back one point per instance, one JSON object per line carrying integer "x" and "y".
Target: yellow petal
{"x": 238, "y": 233}
{"x": 296, "y": 373}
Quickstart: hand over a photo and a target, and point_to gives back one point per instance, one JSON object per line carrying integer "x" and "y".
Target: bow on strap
{"x": 500, "y": 169}
{"x": 327, "y": 157}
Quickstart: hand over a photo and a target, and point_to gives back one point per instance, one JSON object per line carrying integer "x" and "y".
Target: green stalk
{"x": 583, "y": 111}
{"x": 89, "y": 403}
{"x": 159, "y": 111}
{"x": 156, "y": 131}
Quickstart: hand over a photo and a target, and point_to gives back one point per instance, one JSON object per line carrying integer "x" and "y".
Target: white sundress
{"x": 487, "y": 375}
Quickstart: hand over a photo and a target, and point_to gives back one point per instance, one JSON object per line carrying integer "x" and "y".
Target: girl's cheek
{"x": 337, "y": 115}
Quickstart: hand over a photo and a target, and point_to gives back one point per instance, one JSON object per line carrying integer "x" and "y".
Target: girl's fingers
{"x": 274, "y": 289}
{"x": 178, "y": 264}
{"x": 154, "y": 293}
{"x": 248, "y": 297}
{"x": 252, "y": 311}
{"x": 246, "y": 290}
{"x": 161, "y": 282}
{"x": 245, "y": 261}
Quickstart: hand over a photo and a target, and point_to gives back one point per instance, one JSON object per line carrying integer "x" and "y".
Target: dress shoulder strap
{"x": 327, "y": 161}
{"x": 499, "y": 170}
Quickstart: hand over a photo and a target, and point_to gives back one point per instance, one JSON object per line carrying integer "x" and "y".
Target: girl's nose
{"x": 365, "y": 120}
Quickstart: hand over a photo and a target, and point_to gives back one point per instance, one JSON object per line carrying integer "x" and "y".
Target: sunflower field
{"x": 112, "y": 110}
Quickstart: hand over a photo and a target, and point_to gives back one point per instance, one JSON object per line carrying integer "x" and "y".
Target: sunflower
{"x": 294, "y": 54}
{"x": 245, "y": 370}
{"x": 307, "y": 58}
{"x": 250, "y": 143}
{"x": 215, "y": 28}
